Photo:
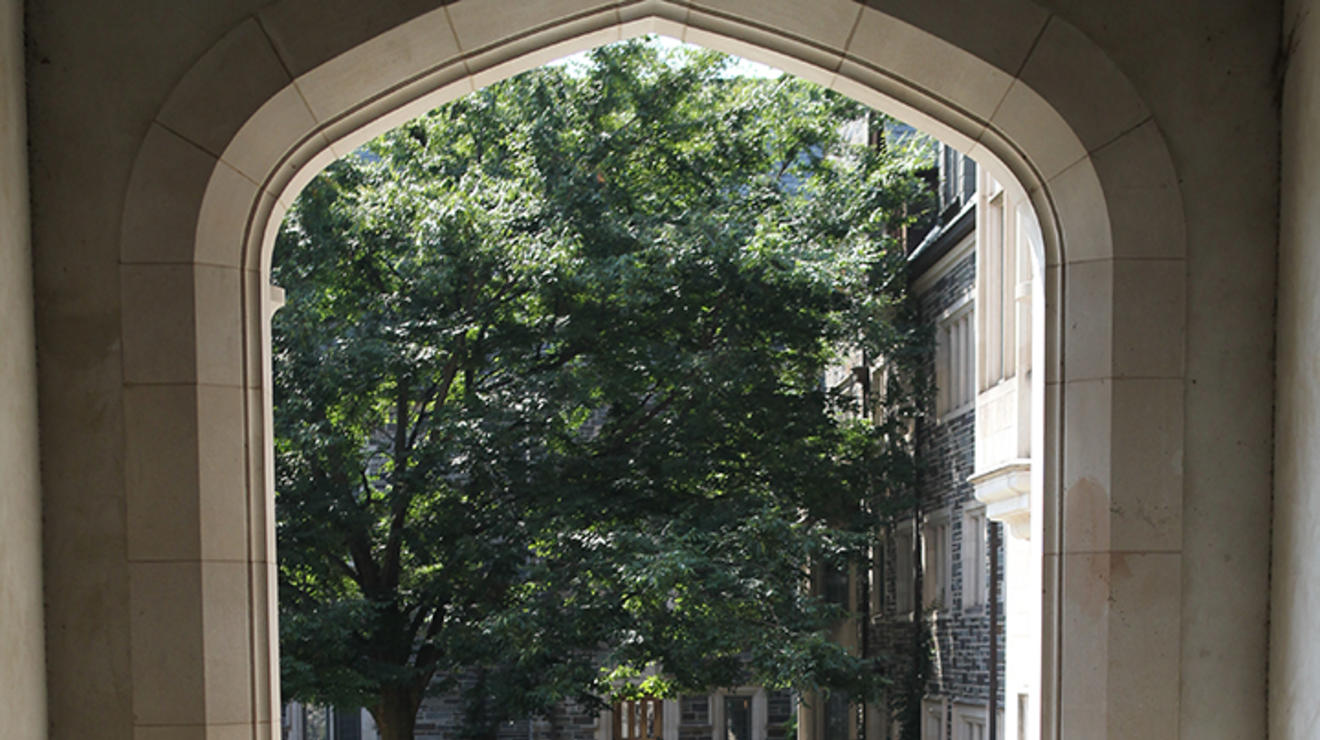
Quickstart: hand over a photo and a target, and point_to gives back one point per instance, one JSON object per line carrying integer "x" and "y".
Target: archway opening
{"x": 197, "y": 252}
{"x": 673, "y": 197}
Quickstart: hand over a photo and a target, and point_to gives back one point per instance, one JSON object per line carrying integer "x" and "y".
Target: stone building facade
{"x": 933, "y": 572}
{"x": 959, "y": 566}
{"x": 946, "y": 453}
{"x": 742, "y": 713}
{"x": 441, "y": 718}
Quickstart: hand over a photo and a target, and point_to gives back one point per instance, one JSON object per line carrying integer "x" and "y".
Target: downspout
{"x": 992, "y": 713}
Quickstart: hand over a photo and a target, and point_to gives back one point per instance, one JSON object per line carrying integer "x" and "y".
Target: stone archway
{"x": 291, "y": 88}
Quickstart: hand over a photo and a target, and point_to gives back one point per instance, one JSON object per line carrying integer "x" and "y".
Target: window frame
{"x": 759, "y": 711}
{"x": 875, "y": 575}
{"x": 934, "y": 712}
{"x": 964, "y": 714}
{"x": 974, "y": 555}
{"x": 936, "y": 561}
{"x": 956, "y": 358}
{"x": 963, "y": 722}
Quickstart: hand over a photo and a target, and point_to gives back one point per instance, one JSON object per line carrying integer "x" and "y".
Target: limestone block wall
{"x": 1148, "y": 133}
{"x": 1208, "y": 72}
{"x": 95, "y": 74}
{"x": 1295, "y": 579}
{"x": 22, "y": 644}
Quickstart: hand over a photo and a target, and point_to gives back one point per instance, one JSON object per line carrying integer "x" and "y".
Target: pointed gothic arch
{"x": 302, "y": 82}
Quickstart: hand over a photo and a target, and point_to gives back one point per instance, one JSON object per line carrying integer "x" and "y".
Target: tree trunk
{"x": 396, "y": 714}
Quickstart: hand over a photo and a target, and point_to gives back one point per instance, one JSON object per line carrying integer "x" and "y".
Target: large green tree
{"x": 548, "y": 390}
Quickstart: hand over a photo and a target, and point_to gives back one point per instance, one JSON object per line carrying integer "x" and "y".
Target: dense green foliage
{"x": 549, "y": 399}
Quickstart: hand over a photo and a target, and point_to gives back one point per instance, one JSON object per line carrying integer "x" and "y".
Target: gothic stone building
{"x": 952, "y": 578}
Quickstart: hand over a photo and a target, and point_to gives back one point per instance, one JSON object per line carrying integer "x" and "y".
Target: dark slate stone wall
{"x": 441, "y": 718}
{"x": 960, "y": 669}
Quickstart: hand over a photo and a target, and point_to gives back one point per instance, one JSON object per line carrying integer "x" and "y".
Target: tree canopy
{"x": 549, "y": 398}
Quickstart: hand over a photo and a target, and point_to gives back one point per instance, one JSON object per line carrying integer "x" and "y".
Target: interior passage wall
{"x": 1207, "y": 71}
{"x": 100, "y": 72}
{"x": 22, "y": 653}
{"x": 1295, "y": 608}
{"x": 97, "y": 72}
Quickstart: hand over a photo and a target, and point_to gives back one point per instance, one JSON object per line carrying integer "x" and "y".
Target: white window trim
{"x": 975, "y": 594}
{"x": 1004, "y": 274}
{"x": 760, "y": 712}
{"x": 1023, "y": 709}
{"x": 1028, "y": 245}
{"x": 934, "y": 708}
{"x": 939, "y": 596}
{"x": 996, "y": 288}
{"x": 974, "y": 713}
{"x": 964, "y": 366}
{"x": 969, "y": 714}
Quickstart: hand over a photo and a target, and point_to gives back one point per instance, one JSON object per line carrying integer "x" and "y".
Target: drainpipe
{"x": 863, "y": 592}
{"x": 864, "y": 638}
{"x": 993, "y": 535}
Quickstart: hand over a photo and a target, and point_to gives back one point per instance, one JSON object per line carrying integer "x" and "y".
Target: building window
{"x": 957, "y": 179}
{"x": 1028, "y": 241}
{"x": 348, "y": 724}
{"x": 975, "y": 566}
{"x": 971, "y": 729}
{"x": 836, "y": 585}
{"x": 949, "y": 179}
{"x": 836, "y": 717}
{"x": 903, "y": 568}
{"x": 968, "y": 178}
{"x": 641, "y": 720}
{"x": 999, "y": 285}
{"x": 1023, "y": 705}
{"x": 737, "y": 718}
{"x": 955, "y": 350}
{"x": 969, "y": 722}
{"x": 935, "y": 561}
{"x": 932, "y": 720}
{"x": 740, "y": 714}
{"x": 1006, "y": 235}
